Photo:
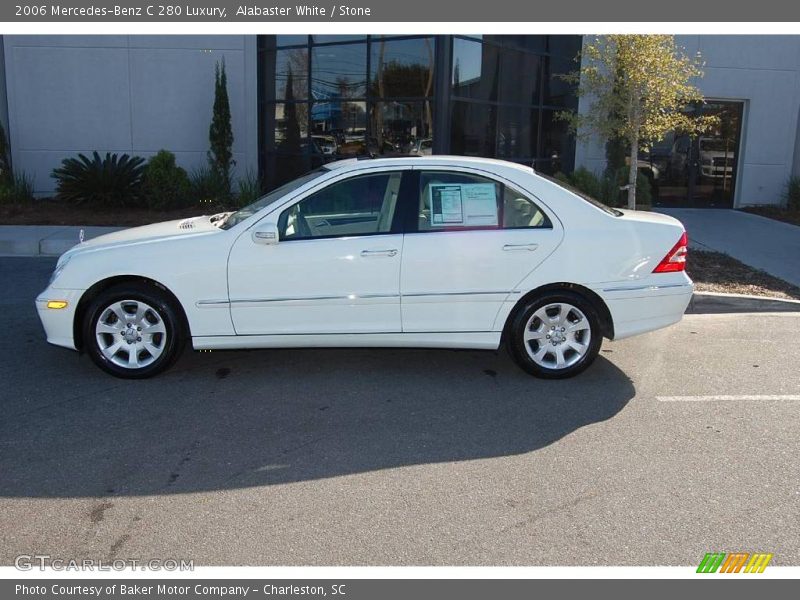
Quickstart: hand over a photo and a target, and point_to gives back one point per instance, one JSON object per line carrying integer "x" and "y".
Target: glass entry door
{"x": 689, "y": 171}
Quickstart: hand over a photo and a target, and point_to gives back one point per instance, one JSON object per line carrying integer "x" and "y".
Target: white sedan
{"x": 434, "y": 251}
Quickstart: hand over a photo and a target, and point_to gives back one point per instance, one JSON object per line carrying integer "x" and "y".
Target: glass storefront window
{"x": 473, "y": 129}
{"x": 291, "y": 40}
{"x": 519, "y": 78}
{"x": 322, "y": 98}
{"x": 328, "y": 39}
{"x": 291, "y": 127}
{"x": 567, "y": 46}
{"x": 339, "y": 128}
{"x": 339, "y": 72}
{"x": 291, "y": 67}
{"x": 402, "y": 68}
{"x": 558, "y": 148}
{"x": 475, "y": 70}
{"x": 516, "y": 132}
{"x": 557, "y": 91}
{"x": 402, "y": 127}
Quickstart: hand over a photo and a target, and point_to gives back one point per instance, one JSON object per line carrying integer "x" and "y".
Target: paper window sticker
{"x": 480, "y": 204}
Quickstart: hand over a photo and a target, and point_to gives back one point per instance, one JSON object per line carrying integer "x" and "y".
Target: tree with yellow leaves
{"x": 639, "y": 87}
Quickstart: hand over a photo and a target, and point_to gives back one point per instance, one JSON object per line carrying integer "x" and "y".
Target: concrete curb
{"x": 44, "y": 240}
{"x": 719, "y": 303}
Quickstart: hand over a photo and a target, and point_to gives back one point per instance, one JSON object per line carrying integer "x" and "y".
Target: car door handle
{"x": 369, "y": 253}
{"x": 512, "y": 247}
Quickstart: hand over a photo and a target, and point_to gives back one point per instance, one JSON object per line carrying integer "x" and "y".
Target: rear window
{"x": 604, "y": 207}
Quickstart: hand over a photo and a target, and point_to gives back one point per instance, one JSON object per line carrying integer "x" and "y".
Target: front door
{"x": 335, "y": 268}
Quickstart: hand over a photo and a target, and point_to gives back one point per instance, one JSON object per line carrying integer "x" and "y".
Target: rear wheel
{"x": 556, "y": 335}
{"x": 133, "y": 331}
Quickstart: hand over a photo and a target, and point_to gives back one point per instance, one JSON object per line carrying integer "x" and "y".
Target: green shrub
{"x": 165, "y": 185}
{"x": 220, "y": 133}
{"x": 587, "y": 182}
{"x": 583, "y": 180}
{"x": 606, "y": 189}
{"x": 249, "y": 190}
{"x": 110, "y": 181}
{"x": 18, "y": 190}
{"x": 793, "y": 193}
{"x": 209, "y": 187}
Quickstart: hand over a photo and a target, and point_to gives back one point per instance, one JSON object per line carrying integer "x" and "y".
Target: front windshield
{"x": 715, "y": 144}
{"x": 276, "y": 194}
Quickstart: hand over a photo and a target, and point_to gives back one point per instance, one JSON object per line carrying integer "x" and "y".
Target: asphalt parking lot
{"x": 674, "y": 444}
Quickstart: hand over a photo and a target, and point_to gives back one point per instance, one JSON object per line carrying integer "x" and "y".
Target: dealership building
{"x": 300, "y": 101}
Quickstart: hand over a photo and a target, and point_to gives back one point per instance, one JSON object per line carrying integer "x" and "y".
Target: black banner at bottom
{"x": 390, "y": 589}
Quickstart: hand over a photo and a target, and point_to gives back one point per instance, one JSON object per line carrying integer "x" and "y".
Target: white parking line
{"x": 723, "y": 397}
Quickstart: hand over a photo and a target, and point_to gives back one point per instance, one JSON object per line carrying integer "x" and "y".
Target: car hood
{"x": 716, "y": 153}
{"x": 145, "y": 234}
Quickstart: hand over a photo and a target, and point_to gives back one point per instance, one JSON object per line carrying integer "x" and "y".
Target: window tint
{"x": 519, "y": 212}
{"x": 358, "y": 206}
{"x": 449, "y": 200}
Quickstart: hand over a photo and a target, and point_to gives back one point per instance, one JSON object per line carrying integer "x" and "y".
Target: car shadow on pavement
{"x": 229, "y": 420}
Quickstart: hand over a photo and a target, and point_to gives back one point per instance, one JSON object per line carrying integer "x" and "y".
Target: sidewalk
{"x": 44, "y": 240}
{"x": 762, "y": 243}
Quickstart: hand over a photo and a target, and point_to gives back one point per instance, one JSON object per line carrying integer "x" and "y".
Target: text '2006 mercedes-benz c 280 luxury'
{"x": 436, "y": 251}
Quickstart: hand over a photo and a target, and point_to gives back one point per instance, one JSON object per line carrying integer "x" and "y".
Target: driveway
{"x": 757, "y": 241}
{"x": 673, "y": 444}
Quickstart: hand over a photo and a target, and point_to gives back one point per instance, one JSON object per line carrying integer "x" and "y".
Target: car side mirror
{"x": 266, "y": 234}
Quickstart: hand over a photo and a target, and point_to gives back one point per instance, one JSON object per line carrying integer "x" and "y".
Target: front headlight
{"x": 59, "y": 268}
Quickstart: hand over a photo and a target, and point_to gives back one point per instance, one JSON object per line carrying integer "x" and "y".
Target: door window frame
{"x": 411, "y": 202}
{"x": 397, "y": 218}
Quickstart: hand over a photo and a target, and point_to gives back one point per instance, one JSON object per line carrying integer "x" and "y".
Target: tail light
{"x": 675, "y": 260}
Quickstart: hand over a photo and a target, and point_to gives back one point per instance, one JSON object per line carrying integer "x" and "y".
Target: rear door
{"x": 469, "y": 241}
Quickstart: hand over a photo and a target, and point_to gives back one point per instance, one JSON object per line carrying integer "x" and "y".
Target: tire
{"x": 540, "y": 330}
{"x": 156, "y": 335}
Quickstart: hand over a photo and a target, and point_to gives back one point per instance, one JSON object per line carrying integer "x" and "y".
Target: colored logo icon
{"x": 735, "y": 562}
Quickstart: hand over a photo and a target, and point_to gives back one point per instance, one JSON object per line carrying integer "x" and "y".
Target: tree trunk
{"x": 633, "y": 171}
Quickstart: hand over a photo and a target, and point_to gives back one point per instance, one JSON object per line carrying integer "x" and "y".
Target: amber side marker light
{"x": 57, "y": 304}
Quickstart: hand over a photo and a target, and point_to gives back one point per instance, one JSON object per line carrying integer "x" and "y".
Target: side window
{"x": 457, "y": 201}
{"x": 361, "y": 205}
{"x": 519, "y": 212}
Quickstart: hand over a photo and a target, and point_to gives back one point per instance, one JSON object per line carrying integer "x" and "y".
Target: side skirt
{"x": 484, "y": 340}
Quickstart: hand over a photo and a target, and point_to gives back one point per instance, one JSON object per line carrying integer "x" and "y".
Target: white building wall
{"x": 764, "y": 72}
{"x": 130, "y": 94}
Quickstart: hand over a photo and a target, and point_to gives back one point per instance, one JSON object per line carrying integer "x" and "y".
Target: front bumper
{"x": 58, "y": 322}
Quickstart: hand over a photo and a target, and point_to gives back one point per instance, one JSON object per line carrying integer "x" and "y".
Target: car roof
{"x": 433, "y": 160}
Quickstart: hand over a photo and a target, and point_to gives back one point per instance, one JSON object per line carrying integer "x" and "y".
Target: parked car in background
{"x": 717, "y": 158}
{"x": 326, "y": 144}
{"x": 423, "y": 147}
{"x": 436, "y": 251}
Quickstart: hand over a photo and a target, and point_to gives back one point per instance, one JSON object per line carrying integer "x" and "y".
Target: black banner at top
{"x": 353, "y": 11}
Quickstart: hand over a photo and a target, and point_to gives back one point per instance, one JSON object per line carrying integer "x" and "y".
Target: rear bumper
{"x": 58, "y": 323}
{"x": 639, "y": 308}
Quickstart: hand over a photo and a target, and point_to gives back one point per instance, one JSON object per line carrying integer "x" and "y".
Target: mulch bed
{"x": 772, "y": 212}
{"x": 718, "y": 272}
{"x": 55, "y": 212}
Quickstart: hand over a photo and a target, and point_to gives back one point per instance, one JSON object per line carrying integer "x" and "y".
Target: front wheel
{"x": 132, "y": 331}
{"x": 556, "y": 335}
